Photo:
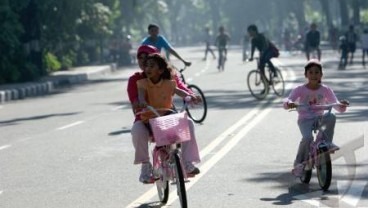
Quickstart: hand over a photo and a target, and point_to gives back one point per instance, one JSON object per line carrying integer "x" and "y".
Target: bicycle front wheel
{"x": 278, "y": 84}
{"x": 180, "y": 185}
{"x": 197, "y": 112}
{"x": 257, "y": 85}
{"x": 307, "y": 173}
{"x": 162, "y": 185}
{"x": 324, "y": 168}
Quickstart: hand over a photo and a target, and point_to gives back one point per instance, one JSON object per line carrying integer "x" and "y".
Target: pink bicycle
{"x": 169, "y": 132}
{"x": 319, "y": 153}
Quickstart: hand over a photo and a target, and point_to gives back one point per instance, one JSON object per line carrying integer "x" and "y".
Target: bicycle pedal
{"x": 189, "y": 175}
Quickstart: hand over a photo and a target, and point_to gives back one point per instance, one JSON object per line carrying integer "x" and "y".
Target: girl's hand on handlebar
{"x": 139, "y": 107}
{"x": 187, "y": 63}
{"x": 344, "y": 103}
{"x": 291, "y": 105}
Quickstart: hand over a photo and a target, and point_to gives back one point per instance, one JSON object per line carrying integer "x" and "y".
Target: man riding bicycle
{"x": 267, "y": 50}
{"x": 159, "y": 41}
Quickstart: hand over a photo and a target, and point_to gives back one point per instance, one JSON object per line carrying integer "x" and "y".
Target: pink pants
{"x": 140, "y": 137}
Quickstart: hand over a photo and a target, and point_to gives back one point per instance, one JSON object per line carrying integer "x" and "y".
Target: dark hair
{"x": 150, "y": 26}
{"x": 252, "y": 28}
{"x": 162, "y": 64}
{"x": 312, "y": 62}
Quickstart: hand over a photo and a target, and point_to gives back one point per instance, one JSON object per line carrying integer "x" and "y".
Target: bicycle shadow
{"x": 155, "y": 204}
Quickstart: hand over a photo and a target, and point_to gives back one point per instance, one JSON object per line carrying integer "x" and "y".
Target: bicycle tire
{"x": 278, "y": 83}
{"x": 197, "y": 112}
{"x": 324, "y": 168}
{"x": 306, "y": 176}
{"x": 257, "y": 85}
{"x": 162, "y": 185}
{"x": 180, "y": 183}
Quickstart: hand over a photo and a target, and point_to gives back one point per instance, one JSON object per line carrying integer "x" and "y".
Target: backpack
{"x": 275, "y": 50}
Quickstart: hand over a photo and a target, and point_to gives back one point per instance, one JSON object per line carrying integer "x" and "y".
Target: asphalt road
{"x": 73, "y": 148}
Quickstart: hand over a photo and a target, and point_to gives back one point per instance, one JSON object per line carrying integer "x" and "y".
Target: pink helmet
{"x": 147, "y": 49}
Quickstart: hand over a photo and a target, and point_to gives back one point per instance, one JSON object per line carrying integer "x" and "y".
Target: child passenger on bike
{"x": 157, "y": 90}
{"x": 309, "y": 94}
{"x": 140, "y": 134}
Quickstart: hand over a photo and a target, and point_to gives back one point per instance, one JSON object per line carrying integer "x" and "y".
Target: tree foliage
{"x": 40, "y": 36}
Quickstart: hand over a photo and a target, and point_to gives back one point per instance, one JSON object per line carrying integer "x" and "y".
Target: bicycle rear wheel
{"x": 324, "y": 168}
{"x": 257, "y": 85}
{"x": 197, "y": 112}
{"x": 180, "y": 185}
{"x": 278, "y": 84}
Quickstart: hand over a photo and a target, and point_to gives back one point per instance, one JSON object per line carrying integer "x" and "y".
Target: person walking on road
{"x": 351, "y": 38}
{"x": 312, "y": 41}
{"x": 364, "y": 45}
{"x": 208, "y": 40}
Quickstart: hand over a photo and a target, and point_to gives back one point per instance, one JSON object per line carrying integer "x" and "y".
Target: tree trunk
{"x": 356, "y": 12}
{"x": 344, "y": 14}
{"x": 326, "y": 10}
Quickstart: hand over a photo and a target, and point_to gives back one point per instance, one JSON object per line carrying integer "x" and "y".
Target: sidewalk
{"x": 49, "y": 84}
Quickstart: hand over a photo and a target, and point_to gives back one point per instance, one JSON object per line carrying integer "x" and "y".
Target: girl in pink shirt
{"x": 309, "y": 94}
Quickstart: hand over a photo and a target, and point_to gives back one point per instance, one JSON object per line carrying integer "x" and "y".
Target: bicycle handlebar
{"x": 187, "y": 100}
{"x": 327, "y": 107}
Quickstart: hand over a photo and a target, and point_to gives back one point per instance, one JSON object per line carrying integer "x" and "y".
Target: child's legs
{"x": 140, "y": 137}
{"x": 328, "y": 126}
{"x": 190, "y": 149}
{"x": 305, "y": 127}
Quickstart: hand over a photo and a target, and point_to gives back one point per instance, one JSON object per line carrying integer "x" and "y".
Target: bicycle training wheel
{"x": 162, "y": 185}
{"x": 278, "y": 84}
{"x": 180, "y": 185}
{"x": 324, "y": 169}
{"x": 257, "y": 86}
{"x": 197, "y": 112}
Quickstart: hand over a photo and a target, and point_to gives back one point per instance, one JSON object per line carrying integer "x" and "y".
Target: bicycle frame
{"x": 168, "y": 166}
{"x": 319, "y": 155}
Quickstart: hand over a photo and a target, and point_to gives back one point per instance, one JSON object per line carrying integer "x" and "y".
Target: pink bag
{"x": 170, "y": 129}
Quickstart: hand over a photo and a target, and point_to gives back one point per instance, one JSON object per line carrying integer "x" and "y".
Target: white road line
{"x": 351, "y": 195}
{"x": 70, "y": 125}
{"x": 118, "y": 108}
{"x": 1, "y": 192}
{"x": 5, "y": 147}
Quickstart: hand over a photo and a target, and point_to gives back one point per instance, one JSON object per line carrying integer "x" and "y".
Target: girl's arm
{"x": 184, "y": 94}
{"x": 331, "y": 98}
{"x": 181, "y": 84}
{"x": 288, "y": 103}
{"x": 141, "y": 96}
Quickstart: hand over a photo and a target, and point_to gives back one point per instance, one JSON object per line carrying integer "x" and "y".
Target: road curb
{"x": 49, "y": 84}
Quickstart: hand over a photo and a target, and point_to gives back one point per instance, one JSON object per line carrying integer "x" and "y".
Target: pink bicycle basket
{"x": 170, "y": 129}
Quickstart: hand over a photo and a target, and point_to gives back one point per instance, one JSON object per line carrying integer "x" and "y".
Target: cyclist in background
{"x": 267, "y": 50}
{"x": 221, "y": 42}
{"x": 160, "y": 42}
{"x": 312, "y": 41}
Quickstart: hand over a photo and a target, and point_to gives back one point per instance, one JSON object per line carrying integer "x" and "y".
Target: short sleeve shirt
{"x": 158, "y": 95}
{"x": 159, "y": 44}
